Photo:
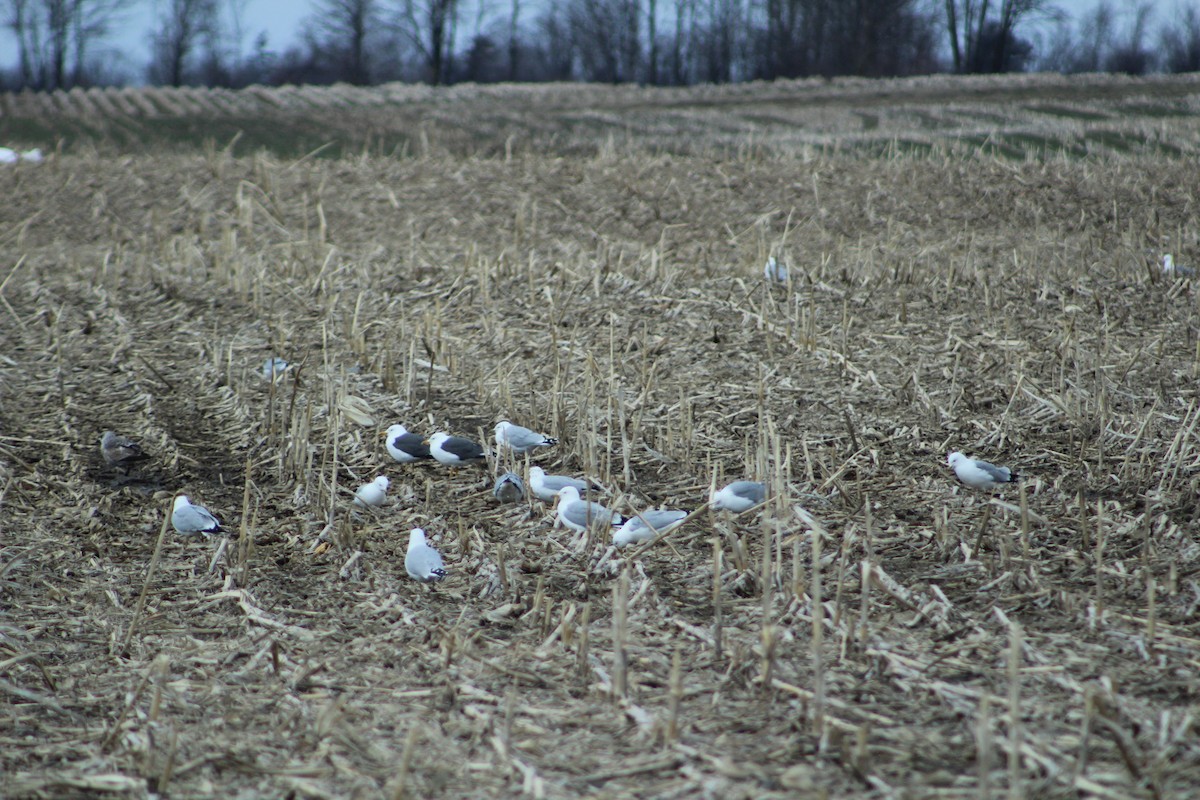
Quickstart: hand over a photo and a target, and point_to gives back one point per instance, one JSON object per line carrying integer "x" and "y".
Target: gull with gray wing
{"x": 509, "y": 488}
{"x": 740, "y": 496}
{"x": 647, "y": 525}
{"x": 520, "y": 440}
{"x": 979, "y": 474}
{"x": 577, "y": 514}
{"x": 190, "y": 519}
{"x": 546, "y": 487}
{"x": 422, "y": 562}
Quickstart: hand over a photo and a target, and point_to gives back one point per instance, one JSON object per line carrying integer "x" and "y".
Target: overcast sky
{"x": 281, "y": 20}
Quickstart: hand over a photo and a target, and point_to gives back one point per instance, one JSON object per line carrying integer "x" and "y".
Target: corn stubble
{"x": 873, "y": 627}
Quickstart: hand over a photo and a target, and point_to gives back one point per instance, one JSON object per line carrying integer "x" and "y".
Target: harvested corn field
{"x": 876, "y": 629}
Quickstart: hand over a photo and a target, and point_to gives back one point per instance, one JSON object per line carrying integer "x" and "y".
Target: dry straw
{"x": 946, "y": 292}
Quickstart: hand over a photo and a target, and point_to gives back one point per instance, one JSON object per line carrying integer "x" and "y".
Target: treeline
{"x": 67, "y": 43}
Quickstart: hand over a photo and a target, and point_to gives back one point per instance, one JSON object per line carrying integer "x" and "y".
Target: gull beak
{"x": 425, "y": 442}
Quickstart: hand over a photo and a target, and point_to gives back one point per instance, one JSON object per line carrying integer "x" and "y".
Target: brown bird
{"x": 120, "y": 451}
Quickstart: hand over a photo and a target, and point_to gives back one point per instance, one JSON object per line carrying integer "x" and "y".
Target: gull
{"x": 453, "y": 450}
{"x": 189, "y": 519}
{"x": 739, "y": 496}
{"x": 577, "y": 514}
{"x": 509, "y": 488}
{"x": 10, "y": 156}
{"x": 120, "y": 451}
{"x": 423, "y": 562}
{"x": 979, "y": 474}
{"x": 273, "y": 368}
{"x": 405, "y": 447}
{"x": 774, "y": 271}
{"x": 546, "y": 487}
{"x": 373, "y": 493}
{"x": 1169, "y": 268}
{"x": 647, "y": 525}
{"x": 520, "y": 440}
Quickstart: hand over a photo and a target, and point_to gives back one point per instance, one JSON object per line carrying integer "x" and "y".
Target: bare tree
{"x": 685, "y": 20}
{"x": 430, "y": 25}
{"x": 54, "y": 37}
{"x": 343, "y": 29}
{"x": 21, "y": 20}
{"x": 1181, "y": 42}
{"x": 552, "y": 48}
{"x": 1131, "y": 56}
{"x": 180, "y": 30}
{"x": 514, "y": 40}
{"x": 982, "y": 32}
{"x": 606, "y": 34}
{"x": 1096, "y": 35}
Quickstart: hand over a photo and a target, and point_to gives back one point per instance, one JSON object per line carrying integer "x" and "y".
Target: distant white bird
{"x": 10, "y": 156}
{"x": 1169, "y": 268}
{"x": 546, "y": 487}
{"x": 273, "y": 368}
{"x": 774, "y": 271}
{"x": 373, "y": 493}
{"x": 740, "y": 496}
{"x": 422, "y": 562}
{"x": 120, "y": 451}
{"x": 656, "y": 521}
{"x": 509, "y": 488}
{"x": 453, "y": 450}
{"x": 577, "y": 514}
{"x": 979, "y": 474}
{"x": 405, "y": 447}
{"x": 189, "y": 519}
{"x": 520, "y": 440}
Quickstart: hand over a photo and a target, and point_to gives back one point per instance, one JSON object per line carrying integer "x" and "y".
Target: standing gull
{"x": 546, "y": 487}
{"x": 520, "y": 440}
{"x": 1170, "y": 268}
{"x": 979, "y": 474}
{"x": 189, "y": 519}
{"x": 120, "y": 451}
{"x": 405, "y": 447}
{"x": 373, "y": 493}
{"x": 577, "y": 514}
{"x": 453, "y": 450}
{"x": 647, "y": 525}
{"x": 274, "y": 367}
{"x": 740, "y": 496}
{"x": 423, "y": 562}
{"x": 774, "y": 271}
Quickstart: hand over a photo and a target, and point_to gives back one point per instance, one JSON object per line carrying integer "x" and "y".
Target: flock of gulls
{"x": 574, "y": 510}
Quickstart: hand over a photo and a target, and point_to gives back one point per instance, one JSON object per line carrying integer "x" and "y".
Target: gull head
{"x": 416, "y": 538}
{"x": 955, "y": 458}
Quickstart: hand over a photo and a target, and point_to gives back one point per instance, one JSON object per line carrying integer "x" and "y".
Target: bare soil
{"x": 878, "y": 629}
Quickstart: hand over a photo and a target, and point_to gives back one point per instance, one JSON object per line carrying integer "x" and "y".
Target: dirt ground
{"x": 878, "y": 630}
